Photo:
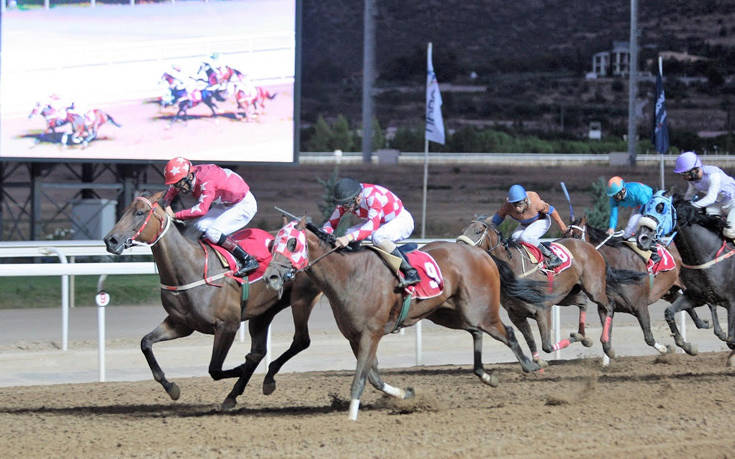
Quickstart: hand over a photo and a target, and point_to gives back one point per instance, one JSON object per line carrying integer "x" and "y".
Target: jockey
{"x": 385, "y": 220}
{"x": 627, "y": 194}
{"x": 718, "y": 189}
{"x": 225, "y": 204}
{"x": 533, "y": 214}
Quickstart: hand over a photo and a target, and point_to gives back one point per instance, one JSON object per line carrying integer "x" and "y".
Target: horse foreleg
{"x": 491, "y": 379}
{"x": 494, "y": 327}
{"x": 606, "y": 319}
{"x": 365, "y": 351}
{"x": 300, "y": 310}
{"x": 699, "y": 323}
{"x": 258, "y": 328}
{"x": 644, "y": 320}
{"x": 716, "y": 323}
{"x": 224, "y": 335}
{"x": 167, "y": 330}
{"x": 681, "y": 303}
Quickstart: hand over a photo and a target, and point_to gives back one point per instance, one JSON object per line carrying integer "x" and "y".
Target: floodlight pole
{"x": 632, "y": 81}
{"x": 368, "y": 72}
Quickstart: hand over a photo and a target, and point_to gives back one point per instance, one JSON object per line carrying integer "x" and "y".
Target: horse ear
{"x": 302, "y": 224}
{"x": 284, "y": 219}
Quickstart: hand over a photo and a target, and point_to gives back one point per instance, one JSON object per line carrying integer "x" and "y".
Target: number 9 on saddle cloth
{"x": 659, "y": 215}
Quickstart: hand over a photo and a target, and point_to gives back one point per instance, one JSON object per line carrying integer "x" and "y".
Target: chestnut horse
{"x": 211, "y": 307}
{"x": 85, "y": 127}
{"x": 366, "y": 302}
{"x": 634, "y": 299}
{"x": 587, "y": 274}
{"x": 708, "y": 270}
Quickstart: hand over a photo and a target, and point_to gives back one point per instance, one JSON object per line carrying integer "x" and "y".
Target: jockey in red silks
{"x": 385, "y": 220}
{"x": 225, "y": 204}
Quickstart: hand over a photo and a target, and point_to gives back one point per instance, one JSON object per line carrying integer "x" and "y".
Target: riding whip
{"x": 566, "y": 193}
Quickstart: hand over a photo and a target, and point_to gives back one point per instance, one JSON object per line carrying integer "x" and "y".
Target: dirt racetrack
{"x": 668, "y": 406}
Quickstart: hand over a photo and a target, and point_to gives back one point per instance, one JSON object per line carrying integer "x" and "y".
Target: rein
{"x": 718, "y": 258}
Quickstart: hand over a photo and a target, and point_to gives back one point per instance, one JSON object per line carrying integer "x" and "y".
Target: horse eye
{"x": 660, "y": 207}
{"x": 139, "y": 213}
{"x": 478, "y": 231}
{"x": 291, "y": 244}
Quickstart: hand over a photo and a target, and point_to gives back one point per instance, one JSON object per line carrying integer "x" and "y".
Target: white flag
{"x": 434, "y": 121}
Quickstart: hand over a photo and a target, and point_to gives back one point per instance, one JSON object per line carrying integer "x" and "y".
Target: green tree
{"x": 320, "y": 141}
{"x": 342, "y": 137}
{"x": 599, "y": 215}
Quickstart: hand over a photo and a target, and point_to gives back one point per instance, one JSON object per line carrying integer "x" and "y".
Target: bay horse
{"x": 211, "y": 307}
{"x": 707, "y": 270}
{"x": 175, "y": 90}
{"x": 85, "y": 127}
{"x": 587, "y": 274}
{"x": 191, "y": 99}
{"x": 635, "y": 298}
{"x": 367, "y": 304}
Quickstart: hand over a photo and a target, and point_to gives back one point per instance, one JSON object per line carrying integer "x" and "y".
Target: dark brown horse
{"x": 211, "y": 307}
{"x": 587, "y": 274}
{"x": 366, "y": 302}
{"x": 635, "y": 298}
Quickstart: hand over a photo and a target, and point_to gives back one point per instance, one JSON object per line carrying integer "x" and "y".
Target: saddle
{"x": 536, "y": 257}
{"x": 432, "y": 281}
{"x": 254, "y": 241}
{"x": 665, "y": 263}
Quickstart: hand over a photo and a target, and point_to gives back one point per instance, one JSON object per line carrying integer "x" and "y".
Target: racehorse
{"x": 367, "y": 304}
{"x": 587, "y": 274}
{"x": 85, "y": 127}
{"x": 174, "y": 90}
{"x": 707, "y": 273}
{"x": 53, "y": 117}
{"x": 635, "y": 298}
{"x": 219, "y": 79}
{"x": 249, "y": 98}
{"x": 193, "y": 98}
{"x": 209, "y": 306}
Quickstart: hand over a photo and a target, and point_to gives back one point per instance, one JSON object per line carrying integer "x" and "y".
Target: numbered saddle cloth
{"x": 666, "y": 263}
{"x": 432, "y": 282}
{"x": 562, "y": 252}
{"x": 254, "y": 241}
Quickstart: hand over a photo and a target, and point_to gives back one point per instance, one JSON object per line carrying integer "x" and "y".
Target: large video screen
{"x": 212, "y": 81}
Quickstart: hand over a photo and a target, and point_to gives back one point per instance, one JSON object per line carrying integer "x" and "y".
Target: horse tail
{"x": 111, "y": 120}
{"x": 617, "y": 277}
{"x": 527, "y": 290}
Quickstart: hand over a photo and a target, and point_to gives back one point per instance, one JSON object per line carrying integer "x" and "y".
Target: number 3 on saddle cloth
{"x": 254, "y": 241}
{"x": 562, "y": 252}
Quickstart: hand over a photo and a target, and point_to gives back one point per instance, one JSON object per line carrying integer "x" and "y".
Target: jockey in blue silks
{"x": 631, "y": 194}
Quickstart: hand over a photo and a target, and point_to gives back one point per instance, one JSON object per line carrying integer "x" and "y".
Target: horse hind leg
{"x": 491, "y": 379}
{"x": 505, "y": 335}
{"x": 167, "y": 330}
{"x": 525, "y": 328}
{"x": 716, "y": 323}
{"x": 681, "y": 303}
{"x": 375, "y": 379}
{"x": 365, "y": 351}
{"x": 644, "y": 320}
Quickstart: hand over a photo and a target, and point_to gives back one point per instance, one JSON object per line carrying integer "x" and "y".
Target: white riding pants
{"x": 728, "y": 210}
{"x": 227, "y": 219}
{"x": 533, "y": 232}
{"x": 632, "y": 225}
{"x": 391, "y": 232}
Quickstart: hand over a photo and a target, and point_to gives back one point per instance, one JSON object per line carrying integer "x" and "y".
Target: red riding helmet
{"x": 176, "y": 169}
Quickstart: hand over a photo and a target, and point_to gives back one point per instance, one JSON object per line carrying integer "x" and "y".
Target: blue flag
{"x": 660, "y": 128}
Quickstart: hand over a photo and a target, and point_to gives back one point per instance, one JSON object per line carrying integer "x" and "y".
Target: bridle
{"x": 582, "y": 230}
{"x": 163, "y": 228}
{"x": 468, "y": 241}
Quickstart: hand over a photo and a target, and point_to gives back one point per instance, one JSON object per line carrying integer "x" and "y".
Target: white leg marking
{"x": 354, "y": 406}
{"x": 394, "y": 391}
{"x": 660, "y": 347}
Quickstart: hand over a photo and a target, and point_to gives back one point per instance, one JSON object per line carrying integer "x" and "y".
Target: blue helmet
{"x": 516, "y": 193}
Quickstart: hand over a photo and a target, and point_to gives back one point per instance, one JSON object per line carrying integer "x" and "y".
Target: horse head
{"x": 577, "y": 229}
{"x": 143, "y": 222}
{"x": 290, "y": 255}
{"x": 482, "y": 233}
{"x": 658, "y": 220}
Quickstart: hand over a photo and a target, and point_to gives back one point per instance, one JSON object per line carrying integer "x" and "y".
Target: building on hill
{"x": 614, "y": 62}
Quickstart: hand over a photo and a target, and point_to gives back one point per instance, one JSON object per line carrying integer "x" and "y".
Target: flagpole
{"x": 661, "y": 72}
{"x": 426, "y": 181}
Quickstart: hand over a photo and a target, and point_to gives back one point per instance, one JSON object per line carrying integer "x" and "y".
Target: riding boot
{"x": 655, "y": 257}
{"x": 411, "y": 276}
{"x": 246, "y": 261}
{"x": 552, "y": 260}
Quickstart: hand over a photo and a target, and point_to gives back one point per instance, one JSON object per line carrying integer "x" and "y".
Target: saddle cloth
{"x": 254, "y": 241}
{"x": 432, "y": 282}
{"x": 562, "y": 252}
{"x": 666, "y": 263}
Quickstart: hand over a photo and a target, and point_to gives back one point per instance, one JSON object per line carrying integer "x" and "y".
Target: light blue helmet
{"x": 614, "y": 186}
{"x": 516, "y": 193}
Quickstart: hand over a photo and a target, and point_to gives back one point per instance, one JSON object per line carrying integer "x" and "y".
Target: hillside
{"x": 529, "y": 59}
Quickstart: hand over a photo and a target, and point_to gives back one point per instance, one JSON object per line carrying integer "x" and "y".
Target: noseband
{"x": 163, "y": 228}
{"x": 468, "y": 241}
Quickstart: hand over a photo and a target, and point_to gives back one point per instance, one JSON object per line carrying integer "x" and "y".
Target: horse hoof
{"x": 706, "y": 324}
{"x": 541, "y": 362}
{"x": 410, "y": 393}
{"x": 691, "y": 349}
{"x": 173, "y": 391}
{"x": 228, "y": 404}
{"x": 731, "y": 360}
{"x": 490, "y": 379}
{"x": 670, "y": 349}
{"x": 269, "y": 387}
{"x": 587, "y": 342}
{"x": 610, "y": 352}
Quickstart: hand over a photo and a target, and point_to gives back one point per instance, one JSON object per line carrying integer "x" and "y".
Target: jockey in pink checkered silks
{"x": 224, "y": 204}
{"x": 385, "y": 220}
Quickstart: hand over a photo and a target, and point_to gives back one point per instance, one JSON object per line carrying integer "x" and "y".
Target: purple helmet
{"x": 686, "y": 162}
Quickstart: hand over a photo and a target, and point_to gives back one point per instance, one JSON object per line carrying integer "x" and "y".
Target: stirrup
{"x": 251, "y": 265}
{"x": 410, "y": 280}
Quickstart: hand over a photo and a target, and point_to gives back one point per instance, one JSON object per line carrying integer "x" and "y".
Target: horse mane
{"x": 693, "y": 215}
{"x": 598, "y": 235}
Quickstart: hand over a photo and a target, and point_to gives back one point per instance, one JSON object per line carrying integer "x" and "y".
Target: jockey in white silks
{"x": 715, "y": 189}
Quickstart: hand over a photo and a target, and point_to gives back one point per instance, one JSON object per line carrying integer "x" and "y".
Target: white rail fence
{"x": 67, "y": 268}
